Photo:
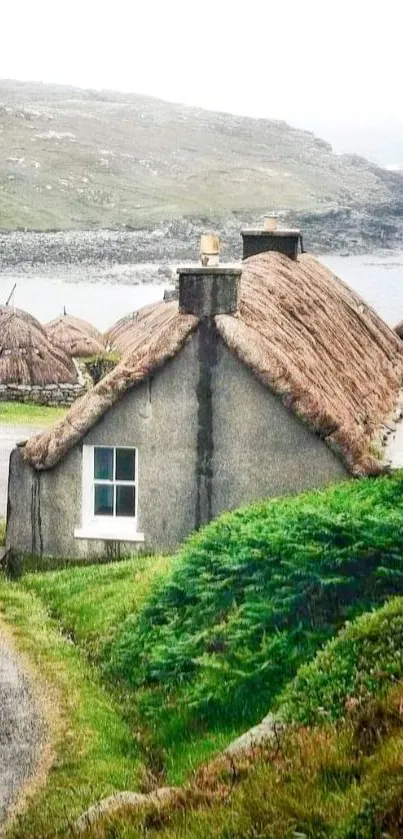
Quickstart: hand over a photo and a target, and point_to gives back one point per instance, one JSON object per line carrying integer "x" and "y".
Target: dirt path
{"x": 20, "y": 729}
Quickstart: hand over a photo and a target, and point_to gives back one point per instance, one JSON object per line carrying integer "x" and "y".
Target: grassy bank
{"x": 186, "y": 652}
{"x": 323, "y": 782}
{"x": 19, "y": 413}
{"x": 251, "y": 598}
{"x": 96, "y": 752}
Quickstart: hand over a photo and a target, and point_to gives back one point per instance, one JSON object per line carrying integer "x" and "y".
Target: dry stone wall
{"x": 54, "y": 395}
{"x": 61, "y": 395}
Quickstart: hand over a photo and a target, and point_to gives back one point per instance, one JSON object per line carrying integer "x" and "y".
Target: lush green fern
{"x": 364, "y": 659}
{"x": 255, "y": 594}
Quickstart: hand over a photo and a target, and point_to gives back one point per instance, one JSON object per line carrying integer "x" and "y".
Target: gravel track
{"x": 20, "y": 728}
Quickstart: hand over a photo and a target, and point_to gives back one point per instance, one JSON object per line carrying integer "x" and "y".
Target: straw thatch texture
{"x": 75, "y": 336}
{"x": 124, "y": 336}
{"x": 312, "y": 340}
{"x": 27, "y": 356}
{"x": 399, "y": 329}
{"x": 158, "y": 344}
{"x": 302, "y": 332}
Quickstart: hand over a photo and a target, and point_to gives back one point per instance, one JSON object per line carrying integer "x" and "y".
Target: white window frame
{"x": 116, "y": 528}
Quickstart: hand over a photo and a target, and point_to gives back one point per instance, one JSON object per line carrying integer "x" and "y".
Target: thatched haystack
{"x": 76, "y": 337}
{"x": 303, "y": 333}
{"x": 27, "y": 356}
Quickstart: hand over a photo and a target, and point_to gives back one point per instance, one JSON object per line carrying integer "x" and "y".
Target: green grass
{"x": 95, "y": 751}
{"x": 362, "y": 660}
{"x": 251, "y": 598}
{"x": 340, "y": 780}
{"x": 90, "y": 602}
{"x": 188, "y": 651}
{"x": 202, "y": 648}
{"x": 26, "y": 414}
{"x": 2, "y": 532}
{"x": 322, "y": 784}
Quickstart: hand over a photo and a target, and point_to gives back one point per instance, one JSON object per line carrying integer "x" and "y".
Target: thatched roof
{"x": 128, "y": 331}
{"x": 27, "y": 356}
{"x": 302, "y": 332}
{"x": 76, "y": 337}
{"x": 399, "y": 329}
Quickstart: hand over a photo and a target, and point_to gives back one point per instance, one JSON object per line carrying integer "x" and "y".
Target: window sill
{"x": 112, "y": 535}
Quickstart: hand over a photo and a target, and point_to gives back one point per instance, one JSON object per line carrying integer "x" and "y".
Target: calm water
{"x": 379, "y": 279}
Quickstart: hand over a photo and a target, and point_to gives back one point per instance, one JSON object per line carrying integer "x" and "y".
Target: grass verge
{"x": 25, "y": 414}
{"x": 95, "y": 751}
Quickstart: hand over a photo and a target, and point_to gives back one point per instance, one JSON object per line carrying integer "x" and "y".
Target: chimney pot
{"x": 209, "y": 249}
{"x": 270, "y": 222}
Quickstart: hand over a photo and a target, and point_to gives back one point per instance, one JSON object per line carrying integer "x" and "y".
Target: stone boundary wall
{"x": 53, "y": 395}
{"x": 60, "y": 395}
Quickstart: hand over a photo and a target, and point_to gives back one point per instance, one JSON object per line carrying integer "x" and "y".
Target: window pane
{"x": 125, "y": 500}
{"x": 103, "y": 500}
{"x": 125, "y": 464}
{"x": 103, "y": 464}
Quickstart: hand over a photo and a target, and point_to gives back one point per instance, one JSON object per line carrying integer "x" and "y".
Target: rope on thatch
{"x": 300, "y": 330}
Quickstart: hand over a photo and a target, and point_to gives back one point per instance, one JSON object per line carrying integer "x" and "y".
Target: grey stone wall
{"x": 61, "y": 395}
{"x": 210, "y": 438}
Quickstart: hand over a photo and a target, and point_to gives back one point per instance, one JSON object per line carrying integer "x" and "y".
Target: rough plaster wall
{"x": 260, "y": 448}
{"x": 210, "y": 438}
{"x": 159, "y": 418}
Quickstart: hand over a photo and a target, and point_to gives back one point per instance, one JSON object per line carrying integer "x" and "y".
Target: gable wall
{"x": 209, "y": 436}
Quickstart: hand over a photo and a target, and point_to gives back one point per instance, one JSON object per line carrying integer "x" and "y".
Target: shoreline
{"x": 337, "y": 232}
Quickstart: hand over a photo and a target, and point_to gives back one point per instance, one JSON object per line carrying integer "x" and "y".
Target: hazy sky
{"x": 313, "y": 63}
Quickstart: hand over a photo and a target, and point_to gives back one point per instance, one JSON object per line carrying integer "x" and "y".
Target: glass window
{"x": 103, "y": 500}
{"x": 125, "y": 464}
{"x": 103, "y": 464}
{"x": 114, "y": 481}
{"x": 125, "y": 500}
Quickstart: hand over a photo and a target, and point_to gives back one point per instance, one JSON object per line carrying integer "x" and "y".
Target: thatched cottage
{"x": 263, "y": 379}
{"x": 76, "y": 337}
{"x": 32, "y": 368}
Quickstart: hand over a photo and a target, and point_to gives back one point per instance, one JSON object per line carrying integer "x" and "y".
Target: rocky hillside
{"x": 79, "y": 159}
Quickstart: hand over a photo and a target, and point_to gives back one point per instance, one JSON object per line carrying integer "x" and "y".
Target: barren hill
{"x": 74, "y": 158}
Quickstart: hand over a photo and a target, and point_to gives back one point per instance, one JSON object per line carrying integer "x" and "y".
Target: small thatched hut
{"x": 27, "y": 356}
{"x": 75, "y": 336}
{"x": 262, "y": 380}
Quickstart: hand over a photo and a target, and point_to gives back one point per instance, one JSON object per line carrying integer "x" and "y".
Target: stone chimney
{"x": 270, "y": 237}
{"x": 210, "y": 288}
